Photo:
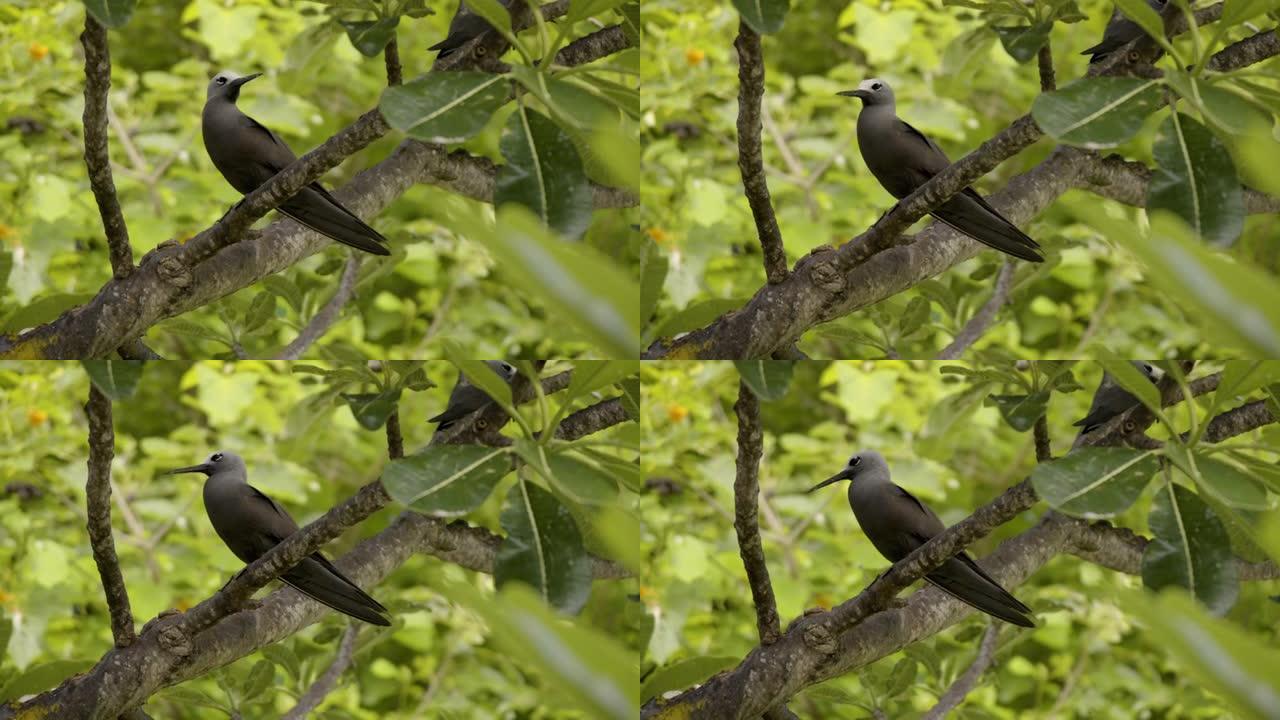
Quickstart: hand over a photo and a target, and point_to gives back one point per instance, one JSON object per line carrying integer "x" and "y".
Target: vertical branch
{"x": 1047, "y": 80}
{"x": 391, "y": 54}
{"x": 395, "y": 444}
{"x": 982, "y": 319}
{"x": 97, "y": 77}
{"x": 969, "y": 678}
{"x": 97, "y": 490}
{"x": 1044, "y": 451}
{"x": 746, "y": 489}
{"x": 315, "y": 694}
{"x": 750, "y": 155}
{"x": 327, "y": 315}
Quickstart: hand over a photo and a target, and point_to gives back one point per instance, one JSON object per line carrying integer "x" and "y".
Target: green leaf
{"x": 260, "y": 311}
{"x": 1130, "y": 378}
{"x": 117, "y": 379}
{"x": 371, "y": 410}
{"x": 544, "y": 173}
{"x": 492, "y": 11}
{"x": 1236, "y": 302}
{"x": 1097, "y": 112}
{"x": 693, "y": 317}
{"x": 1146, "y": 18}
{"x": 111, "y": 13}
{"x": 684, "y": 673}
{"x": 1235, "y": 664}
{"x": 259, "y": 679}
{"x": 582, "y": 9}
{"x": 39, "y": 678}
{"x": 591, "y": 375}
{"x": 582, "y": 287}
{"x": 1094, "y": 481}
{"x": 1196, "y": 180}
{"x": 768, "y": 379}
{"x": 444, "y": 107}
{"x": 764, "y": 16}
{"x": 1238, "y": 11}
{"x": 631, "y": 398}
{"x": 446, "y": 479}
{"x": 914, "y": 317}
{"x": 370, "y": 37}
{"x": 631, "y": 22}
{"x": 1024, "y": 41}
{"x": 1022, "y": 411}
{"x": 901, "y": 678}
{"x": 581, "y": 480}
{"x": 653, "y": 273}
{"x": 42, "y": 310}
{"x": 1230, "y": 485}
{"x": 543, "y": 549}
{"x": 1241, "y": 377}
{"x": 1190, "y": 550}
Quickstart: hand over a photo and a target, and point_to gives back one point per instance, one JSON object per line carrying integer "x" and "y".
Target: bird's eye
{"x": 508, "y": 368}
{"x": 216, "y": 457}
{"x": 875, "y": 86}
{"x": 854, "y": 460}
{"x": 220, "y": 80}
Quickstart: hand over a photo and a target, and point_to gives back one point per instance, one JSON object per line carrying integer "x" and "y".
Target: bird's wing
{"x": 265, "y": 515}
{"x": 270, "y": 150}
{"x": 928, "y": 524}
{"x": 924, "y": 157}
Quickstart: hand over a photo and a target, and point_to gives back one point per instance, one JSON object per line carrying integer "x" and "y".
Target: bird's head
{"x": 226, "y": 84}
{"x": 872, "y": 92}
{"x": 505, "y": 370}
{"x": 860, "y": 464}
{"x": 1148, "y": 369}
{"x": 221, "y": 461}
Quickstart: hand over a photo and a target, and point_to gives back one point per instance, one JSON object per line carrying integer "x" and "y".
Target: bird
{"x": 896, "y": 523}
{"x": 250, "y": 523}
{"x": 1111, "y": 399}
{"x": 1120, "y": 32}
{"x": 466, "y": 398}
{"x": 248, "y": 154}
{"x": 902, "y": 159}
{"x": 465, "y": 26}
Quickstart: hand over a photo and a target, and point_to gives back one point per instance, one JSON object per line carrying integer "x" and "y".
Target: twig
{"x": 964, "y": 684}
{"x": 750, "y": 154}
{"x": 97, "y": 492}
{"x": 97, "y": 76}
{"x": 315, "y": 694}
{"x": 395, "y": 443}
{"x": 324, "y": 319}
{"x": 1121, "y": 549}
{"x": 1229, "y": 424}
{"x": 391, "y": 58}
{"x": 1248, "y": 51}
{"x": 594, "y": 46}
{"x": 1073, "y": 677}
{"x": 592, "y": 419}
{"x": 746, "y": 491}
{"x": 1044, "y": 449}
{"x": 982, "y": 319}
{"x": 1045, "y": 59}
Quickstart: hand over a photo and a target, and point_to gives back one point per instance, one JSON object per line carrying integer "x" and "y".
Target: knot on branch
{"x": 175, "y": 641}
{"x": 826, "y": 276}
{"x": 173, "y": 272}
{"x": 819, "y": 639}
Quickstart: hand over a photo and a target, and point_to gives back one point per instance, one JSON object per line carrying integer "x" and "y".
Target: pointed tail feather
{"x": 969, "y": 584}
{"x": 971, "y": 215}
{"x": 322, "y": 582}
{"x": 320, "y": 212}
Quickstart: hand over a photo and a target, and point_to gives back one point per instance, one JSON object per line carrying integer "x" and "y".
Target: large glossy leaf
{"x": 544, "y": 173}
{"x": 493, "y": 11}
{"x": 581, "y": 480}
{"x": 371, "y": 36}
{"x": 1190, "y": 550}
{"x": 1237, "y": 303}
{"x": 1146, "y": 17}
{"x": 479, "y": 374}
{"x": 1022, "y": 42}
{"x": 117, "y": 379}
{"x": 1130, "y": 378}
{"x": 1196, "y": 180}
{"x": 1241, "y": 377}
{"x": 653, "y": 273}
{"x": 583, "y": 9}
{"x": 768, "y": 379}
{"x": 586, "y": 289}
{"x": 111, "y": 13}
{"x": 1097, "y": 112}
{"x": 1237, "y": 666}
{"x": 1021, "y": 411}
{"x": 1230, "y": 485}
{"x": 1094, "y": 482}
{"x": 446, "y": 479}
{"x": 444, "y": 107}
{"x": 1237, "y": 11}
{"x": 591, "y": 375}
{"x": 764, "y": 16}
{"x": 371, "y": 410}
{"x": 543, "y": 549}
{"x": 684, "y": 673}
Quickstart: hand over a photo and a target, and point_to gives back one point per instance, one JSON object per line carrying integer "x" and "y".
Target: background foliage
{"x": 452, "y": 652}
{"x": 1097, "y": 652}
{"x": 449, "y": 277}
{"x": 955, "y": 81}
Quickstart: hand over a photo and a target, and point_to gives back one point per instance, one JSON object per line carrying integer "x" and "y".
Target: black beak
{"x": 242, "y": 80}
{"x": 205, "y": 468}
{"x": 844, "y": 474}
{"x": 860, "y": 94}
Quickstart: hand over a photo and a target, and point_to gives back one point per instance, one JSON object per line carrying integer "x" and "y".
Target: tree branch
{"x": 97, "y": 490}
{"x": 1044, "y": 59}
{"x": 746, "y": 522}
{"x": 483, "y": 51}
{"x": 97, "y": 158}
{"x": 592, "y": 419}
{"x": 594, "y": 46}
{"x": 964, "y": 684}
{"x": 315, "y": 694}
{"x": 750, "y": 153}
{"x": 981, "y": 320}
{"x": 1253, "y": 49}
{"x": 395, "y": 444}
{"x": 1126, "y": 182}
{"x": 1121, "y": 549}
{"x": 391, "y": 58}
{"x": 324, "y": 319}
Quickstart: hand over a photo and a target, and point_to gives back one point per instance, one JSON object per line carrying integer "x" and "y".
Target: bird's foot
{"x": 233, "y": 207}
{"x": 228, "y": 582}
